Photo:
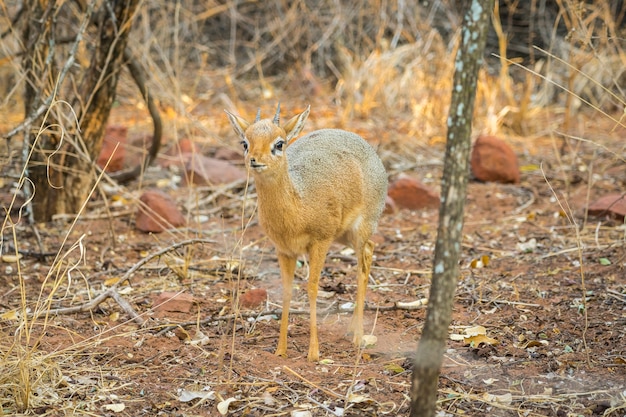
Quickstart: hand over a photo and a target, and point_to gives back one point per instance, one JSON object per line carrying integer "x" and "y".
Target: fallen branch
{"x": 138, "y": 75}
{"x": 400, "y": 305}
{"x": 617, "y": 295}
{"x": 115, "y": 295}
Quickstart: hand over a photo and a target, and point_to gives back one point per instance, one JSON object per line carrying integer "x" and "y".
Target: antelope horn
{"x": 258, "y": 115}
{"x": 277, "y": 115}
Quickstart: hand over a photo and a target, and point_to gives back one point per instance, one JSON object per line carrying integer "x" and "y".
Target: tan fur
{"x": 326, "y": 186}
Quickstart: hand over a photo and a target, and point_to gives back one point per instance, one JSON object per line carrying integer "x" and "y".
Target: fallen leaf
{"x": 502, "y": 399}
{"x": 184, "y": 396}
{"x": 199, "y": 339}
{"x": 533, "y": 343}
{"x": 9, "y": 315}
{"x": 125, "y": 291}
{"x": 478, "y": 339}
{"x": 119, "y": 198}
{"x": 475, "y": 331}
{"x": 111, "y": 281}
{"x": 394, "y": 367}
{"x": 529, "y": 168}
{"x": 116, "y": 408}
{"x": 482, "y": 262}
{"x": 528, "y": 246}
{"x": 11, "y": 258}
{"x": 358, "y": 399}
{"x": 268, "y": 399}
{"x": 368, "y": 340}
{"x": 491, "y": 311}
{"x": 422, "y": 302}
{"x": 349, "y": 306}
{"x": 222, "y": 407}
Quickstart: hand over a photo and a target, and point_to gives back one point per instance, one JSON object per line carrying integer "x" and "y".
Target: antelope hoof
{"x": 313, "y": 356}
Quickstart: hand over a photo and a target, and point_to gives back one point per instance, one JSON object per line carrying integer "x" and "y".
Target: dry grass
{"x": 375, "y": 65}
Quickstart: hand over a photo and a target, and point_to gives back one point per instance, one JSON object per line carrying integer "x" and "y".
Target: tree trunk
{"x": 432, "y": 344}
{"x": 65, "y": 141}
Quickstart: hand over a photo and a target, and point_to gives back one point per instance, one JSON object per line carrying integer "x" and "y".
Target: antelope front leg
{"x": 287, "y": 268}
{"x": 317, "y": 257}
{"x": 364, "y": 262}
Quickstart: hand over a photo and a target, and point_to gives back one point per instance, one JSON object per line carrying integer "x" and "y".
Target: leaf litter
{"x": 520, "y": 313}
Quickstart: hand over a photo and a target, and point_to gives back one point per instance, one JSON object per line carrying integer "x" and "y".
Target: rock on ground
{"x": 204, "y": 170}
{"x": 173, "y": 302}
{"x": 613, "y": 205}
{"x": 409, "y": 193}
{"x": 492, "y": 160}
{"x": 157, "y": 212}
{"x": 114, "y": 135}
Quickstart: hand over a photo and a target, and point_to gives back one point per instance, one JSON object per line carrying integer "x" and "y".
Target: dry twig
{"x": 114, "y": 294}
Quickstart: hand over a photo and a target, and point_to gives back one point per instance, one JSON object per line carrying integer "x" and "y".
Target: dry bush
{"x": 379, "y": 59}
{"x": 577, "y": 62}
{"x": 373, "y": 58}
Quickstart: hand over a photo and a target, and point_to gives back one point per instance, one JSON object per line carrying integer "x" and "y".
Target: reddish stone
{"x": 173, "y": 302}
{"x": 203, "y": 170}
{"x": 186, "y": 145}
{"x": 390, "y": 205}
{"x": 114, "y": 135}
{"x": 253, "y": 298}
{"x": 411, "y": 194}
{"x": 613, "y": 205}
{"x": 493, "y": 160}
{"x": 157, "y": 213}
{"x": 228, "y": 154}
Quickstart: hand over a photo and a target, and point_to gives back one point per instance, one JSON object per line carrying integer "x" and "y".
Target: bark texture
{"x": 432, "y": 344}
{"x": 76, "y": 86}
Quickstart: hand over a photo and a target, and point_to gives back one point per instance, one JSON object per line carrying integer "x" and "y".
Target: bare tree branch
{"x": 114, "y": 294}
{"x": 138, "y": 74}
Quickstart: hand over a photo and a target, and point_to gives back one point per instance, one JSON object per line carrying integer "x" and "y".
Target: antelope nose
{"x": 254, "y": 163}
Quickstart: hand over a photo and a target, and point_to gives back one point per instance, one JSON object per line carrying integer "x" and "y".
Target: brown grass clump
{"x": 29, "y": 378}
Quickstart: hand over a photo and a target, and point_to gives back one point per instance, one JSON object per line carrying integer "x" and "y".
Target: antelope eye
{"x": 279, "y": 145}
{"x": 245, "y": 145}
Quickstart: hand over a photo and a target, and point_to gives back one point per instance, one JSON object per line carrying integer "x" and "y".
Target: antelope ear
{"x": 295, "y": 124}
{"x": 239, "y": 125}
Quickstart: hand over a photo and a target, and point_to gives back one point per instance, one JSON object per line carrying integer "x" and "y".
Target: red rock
{"x": 138, "y": 148}
{"x": 203, "y": 170}
{"x": 493, "y": 160}
{"x": 253, "y": 298}
{"x": 173, "y": 302}
{"x": 186, "y": 145}
{"x": 157, "y": 213}
{"x": 114, "y": 135}
{"x": 390, "y": 205}
{"x": 613, "y": 205}
{"x": 411, "y": 194}
{"x": 228, "y": 154}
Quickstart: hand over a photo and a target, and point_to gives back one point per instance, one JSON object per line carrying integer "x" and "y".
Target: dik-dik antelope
{"x": 329, "y": 185}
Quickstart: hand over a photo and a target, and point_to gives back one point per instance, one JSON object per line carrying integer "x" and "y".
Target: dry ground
{"x": 550, "y": 351}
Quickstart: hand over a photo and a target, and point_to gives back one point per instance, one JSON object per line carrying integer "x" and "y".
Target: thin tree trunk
{"x": 65, "y": 141}
{"x": 432, "y": 344}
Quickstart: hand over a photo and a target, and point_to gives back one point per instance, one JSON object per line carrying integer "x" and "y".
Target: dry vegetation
{"x": 382, "y": 69}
